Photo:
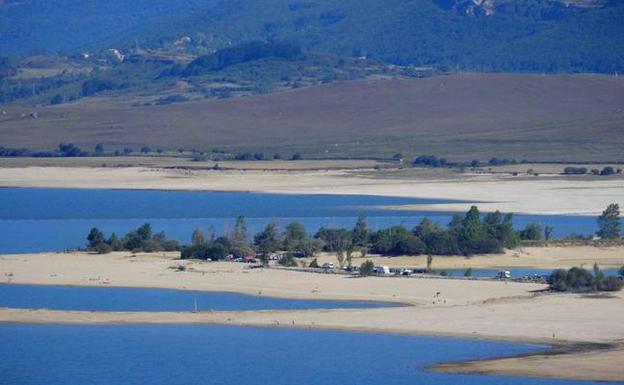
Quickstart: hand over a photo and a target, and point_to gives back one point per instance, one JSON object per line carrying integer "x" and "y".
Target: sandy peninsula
{"x": 522, "y": 195}
{"x": 509, "y": 311}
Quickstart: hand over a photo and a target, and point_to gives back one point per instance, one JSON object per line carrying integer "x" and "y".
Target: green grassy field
{"x": 461, "y": 117}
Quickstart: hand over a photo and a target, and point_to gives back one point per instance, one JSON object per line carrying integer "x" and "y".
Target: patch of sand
{"x": 551, "y": 257}
{"x": 495, "y": 192}
{"x": 466, "y": 308}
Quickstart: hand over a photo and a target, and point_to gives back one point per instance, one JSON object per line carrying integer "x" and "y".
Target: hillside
{"x": 493, "y": 35}
{"x": 462, "y": 117}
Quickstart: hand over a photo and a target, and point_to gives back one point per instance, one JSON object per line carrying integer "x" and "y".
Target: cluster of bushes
{"x": 64, "y": 150}
{"x": 141, "y": 239}
{"x": 580, "y": 280}
{"x": 241, "y": 54}
{"x": 606, "y": 171}
{"x": 429, "y": 160}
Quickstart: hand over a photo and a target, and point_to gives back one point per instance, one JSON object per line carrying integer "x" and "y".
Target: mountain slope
{"x": 519, "y": 35}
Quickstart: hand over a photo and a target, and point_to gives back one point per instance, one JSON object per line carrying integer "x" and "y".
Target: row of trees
{"x": 471, "y": 233}
{"x": 468, "y": 234}
{"x": 295, "y": 240}
{"x": 141, "y": 239}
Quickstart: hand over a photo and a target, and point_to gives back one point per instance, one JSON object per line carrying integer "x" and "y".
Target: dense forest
{"x": 529, "y": 35}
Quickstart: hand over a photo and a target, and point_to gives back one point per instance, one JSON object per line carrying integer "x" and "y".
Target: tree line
{"x": 140, "y": 239}
{"x": 467, "y": 234}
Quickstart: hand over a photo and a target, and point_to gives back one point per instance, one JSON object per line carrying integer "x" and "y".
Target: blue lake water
{"x": 517, "y": 272}
{"x": 143, "y": 299}
{"x": 174, "y": 354}
{"x": 34, "y": 220}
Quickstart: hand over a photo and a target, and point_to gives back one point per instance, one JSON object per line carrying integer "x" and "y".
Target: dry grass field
{"x": 464, "y": 116}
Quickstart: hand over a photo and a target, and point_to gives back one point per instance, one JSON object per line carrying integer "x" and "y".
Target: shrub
{"x": 611, "y": 284}
{"x": 288, "y": 261}
{"x": 103, "y": 248}
{"x": 314, "y": 264}
{"x": 367, "y": 268}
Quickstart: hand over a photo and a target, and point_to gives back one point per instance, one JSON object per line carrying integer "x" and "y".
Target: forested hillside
{"x": 498, "y": 35}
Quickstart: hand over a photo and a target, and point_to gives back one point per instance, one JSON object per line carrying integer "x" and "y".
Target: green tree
{"x": 240, "y": 245}
{"x": 360, "y": 232}
{"x": 145, "y": 231}
{"x": 468, "y": 272}
{"x": 532, "y": 232}
{"x": 548, "y": 231}
{"x": 267, "y": 241}
{"x": 95, "y": 238}
{"x": 295, "y": 234}
{"x": 115, "y": 242}
{"x": 429, "y": 262}
{"x": 197, "y": 238}
{"x": 609, "y": 225}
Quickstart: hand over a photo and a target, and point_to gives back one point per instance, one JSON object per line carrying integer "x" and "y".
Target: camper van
{"x": 505, "y": 274}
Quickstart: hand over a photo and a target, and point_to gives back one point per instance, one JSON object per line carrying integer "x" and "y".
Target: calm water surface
{"x": 186, "y": 355}
{"x": 143, "y": 299}
{"x": 34, "y": 220}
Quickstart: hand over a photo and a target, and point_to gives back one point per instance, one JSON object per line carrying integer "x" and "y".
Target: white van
{"x": 381, "y": 270}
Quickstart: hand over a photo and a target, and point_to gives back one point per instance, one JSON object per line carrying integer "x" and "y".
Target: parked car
{"x": 381, "y": 270}
{"x": 328, "y": 265}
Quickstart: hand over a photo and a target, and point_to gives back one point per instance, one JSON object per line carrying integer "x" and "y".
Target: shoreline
{"x": 521, "y": 365}
{"x": 547, "y": 195}
{"x": 472, "y": 309}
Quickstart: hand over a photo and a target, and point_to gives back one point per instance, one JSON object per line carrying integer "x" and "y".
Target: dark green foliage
{"x": 288, "y": 260}
{"x": 241, "y": 54}
{"x": 396, "y": 240}
{"x": 95, "y": 238}
{"x": 468, "y": 272}
{"x": 429, "y": 160}
{"x": 57, "y": 99}
{"x": 93, "y": 86}
{"x": 580, "y": 280}
{"x": 607, "y": 171}
{"x": 532, "y": 232}
{"x": 314, "y": 264}
{"x": 367, "y": 268}
{"x": 335, "y": 239}
{"x": 575, "y": 170}
{"x": 140, "y": 239}
{"x": 609, "y": 224}
{"x": 361, "y": 234}
{"x": 103, "y": 248}
{"x": 519, "y": 36}
{"x": 612, "y": 284}
{"x": 268, "y": 240}
{"x": 70, "y": 150}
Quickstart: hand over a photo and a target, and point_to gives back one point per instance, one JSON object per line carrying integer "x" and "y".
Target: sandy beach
{"x": 510, "y": 311}
{"x": 498, "y": 310}
{"x": 522, "y": 195}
